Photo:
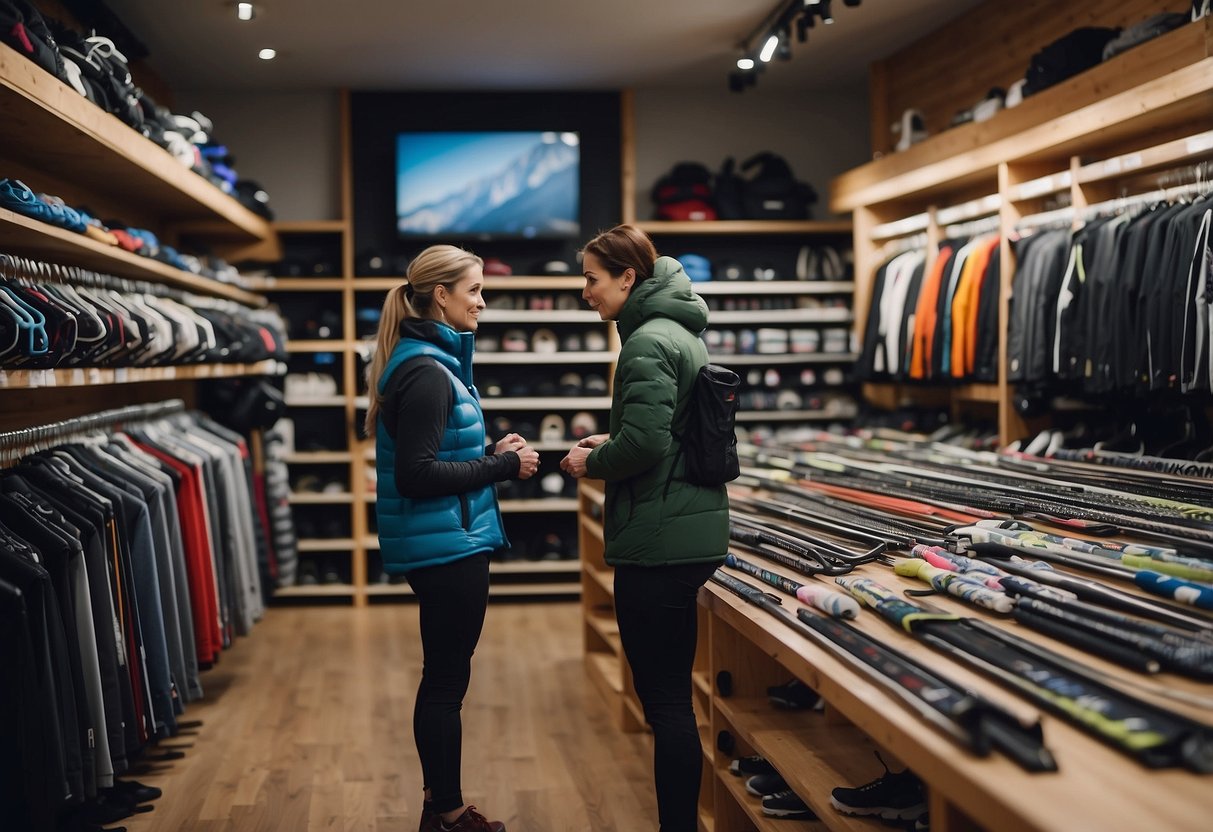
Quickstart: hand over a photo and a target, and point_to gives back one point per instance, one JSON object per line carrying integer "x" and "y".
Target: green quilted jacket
{"x": 652, "y": 515}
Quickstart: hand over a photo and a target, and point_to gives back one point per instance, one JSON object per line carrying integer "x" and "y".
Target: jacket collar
{"x": 459, "y": 345}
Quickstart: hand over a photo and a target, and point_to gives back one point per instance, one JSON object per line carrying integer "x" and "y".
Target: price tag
{"x": 170, "y": 372}
{"x": 50, "y": 378}
{"x": 37, "y": 378}
{"x": 1132, "y": 160}
{"x": 3, "y": 379}
{"x": 1112, "y": 166}
{"x": 77, "y": 377}
{"x": 94, "y": 375}
{"x": 120, "y": 375}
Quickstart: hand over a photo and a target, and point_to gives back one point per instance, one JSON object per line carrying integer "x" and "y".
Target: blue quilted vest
{"x": 414, "y": 533}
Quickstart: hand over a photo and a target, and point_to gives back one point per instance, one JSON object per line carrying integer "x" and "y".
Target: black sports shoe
{"x": 786, "y": 804}
{"x": 795, "y": 695}
{"x": 922, "y": 823}
{"x": 761, "y": 785}
{"x": 749, "y": 766}
{"x": 891, "y": 796}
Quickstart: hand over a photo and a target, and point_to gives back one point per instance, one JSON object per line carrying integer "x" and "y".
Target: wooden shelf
{"x": 552, "y": 403}
{"x": 534, "y": 567}
{"x": 752, "y": 806}
{"x": 604, "y": 671}
{"x": 318, "y": 401}
{"x": 814, "y": 755}
{"x": 318, "y": 457}
{"x": 1160, "y": 83}
{"x": 539, "y": 358}
{"x": 95, "y": 377}
{"x": 607, "y": 628}
{"x": 541, "y": 317}
{"x": 723, "y": 227}
{"x": 22, "y": 235}
{"x": 326, "y": 544}
{"x": 786, "y": 358}
{"x": 782, "y": 316}
{"x": 601, "y": 578}
{"x": 1168, "y": 154}
{"x": 532, "y": 506}
{"x": 300, "y": 498}
{"x": 296, "y": 284}
{"x": 310, "y": 226}
{"x": 492, "y": 283}
{"x": 316, "y": 591}
{"x": 792, "y": 416}
{"x": 49, "y": 126}
{"x": 774, "y": 287}
{"x": 319, "y": 346}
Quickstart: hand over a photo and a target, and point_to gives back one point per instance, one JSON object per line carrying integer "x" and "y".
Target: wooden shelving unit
{"x": 1096, "y": 136}
{"x": 47, "y": 126}
{"x": 58, "y": 142}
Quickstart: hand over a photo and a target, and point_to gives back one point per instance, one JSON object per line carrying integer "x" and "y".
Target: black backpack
{"x": 772, "y": 192}
{"x": 709, "y": 441}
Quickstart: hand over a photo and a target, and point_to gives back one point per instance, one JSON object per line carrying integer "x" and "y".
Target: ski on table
{"x": 832, "y": 603}
{"x": 968, "y": 718}
{"x": 1004, "y": 557}
{"x": 1156, "y": 737}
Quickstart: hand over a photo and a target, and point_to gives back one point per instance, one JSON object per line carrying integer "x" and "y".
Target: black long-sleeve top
{"x": 416, "y": 404}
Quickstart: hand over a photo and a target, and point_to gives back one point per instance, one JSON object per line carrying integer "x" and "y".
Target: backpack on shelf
{"x": 772, "y": 192}
{"x": 709, "y": 441}
{"x": 685, "y": 193}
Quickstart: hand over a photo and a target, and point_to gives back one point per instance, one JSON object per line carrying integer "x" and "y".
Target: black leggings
{"x": 453, "y": 598}
{"x": 655, "y": 607}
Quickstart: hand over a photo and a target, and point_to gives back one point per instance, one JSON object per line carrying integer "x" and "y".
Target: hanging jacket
{"x": 426, "y": 531}
{"x": 653, "y": 516}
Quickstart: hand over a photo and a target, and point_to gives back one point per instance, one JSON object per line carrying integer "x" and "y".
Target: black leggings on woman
{"x": 655, "y": 607}
{"x": 453, "y": 598}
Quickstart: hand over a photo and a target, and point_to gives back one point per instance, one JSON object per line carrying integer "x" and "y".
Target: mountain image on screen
{"x": 532, "y": 194}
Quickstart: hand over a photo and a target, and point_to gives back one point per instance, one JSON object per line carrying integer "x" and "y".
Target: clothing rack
{"x": 40, "y": 437}
{"x": 903, "y": 244}
{"x": 1057, "y": 218}
{"x": 1120, "y": 204}
{"x": 14, "y": 267}
{"x": 974, "y": 228}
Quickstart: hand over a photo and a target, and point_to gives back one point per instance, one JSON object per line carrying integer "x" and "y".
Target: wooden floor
{"x": 307, "y": 725}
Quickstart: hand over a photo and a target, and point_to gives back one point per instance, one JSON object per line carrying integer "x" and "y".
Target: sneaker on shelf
{"x": 760, "y": 785}
{"x": 892, "y": 796}
{"x": 795, "y": 695}
{"x": 786, "y": 804}
{"x": 472, "y": 821}
{"x": 750, "y": 766}
{"x": 922, "y": 823}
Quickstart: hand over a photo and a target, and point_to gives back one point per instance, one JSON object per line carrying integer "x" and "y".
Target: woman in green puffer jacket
{"x": 664, "y": 536}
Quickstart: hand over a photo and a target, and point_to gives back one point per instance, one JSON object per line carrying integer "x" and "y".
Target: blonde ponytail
{"x": 396, "y": 308}
{"x": 439, "y": 265}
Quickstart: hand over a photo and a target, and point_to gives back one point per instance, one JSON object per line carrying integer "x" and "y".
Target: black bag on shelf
{"x": 772, "y": 193}
{"x": 709, "y": 441}
{"x": 1067, "y": 56}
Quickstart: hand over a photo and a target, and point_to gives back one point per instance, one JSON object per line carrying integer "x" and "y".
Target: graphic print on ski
{"x": 965, "y": 716}
{"x": 1152, "y": 735}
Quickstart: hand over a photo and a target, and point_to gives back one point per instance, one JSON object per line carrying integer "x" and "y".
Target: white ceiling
{"x": 507, "y": 44}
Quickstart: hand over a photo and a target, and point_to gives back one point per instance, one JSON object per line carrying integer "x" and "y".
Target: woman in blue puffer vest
{"x": 436, "y": 505}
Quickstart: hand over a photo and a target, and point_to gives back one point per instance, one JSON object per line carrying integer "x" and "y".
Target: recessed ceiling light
{"x": 267, "y": 54}
{"x": 244, "y": 11}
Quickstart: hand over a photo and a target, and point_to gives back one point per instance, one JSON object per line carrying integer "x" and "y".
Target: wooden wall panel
{"x": 990, "y": 46}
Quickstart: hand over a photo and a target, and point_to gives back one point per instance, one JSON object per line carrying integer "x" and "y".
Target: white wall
{"x": 289, "y": 142}
{"x": 820, "y": 133}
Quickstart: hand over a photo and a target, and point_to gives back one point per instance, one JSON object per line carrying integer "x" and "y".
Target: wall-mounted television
{"x": 488, "y": 185}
